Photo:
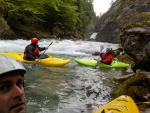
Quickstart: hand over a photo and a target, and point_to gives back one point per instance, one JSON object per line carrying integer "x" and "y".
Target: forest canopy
{"x": 48, "y": 15}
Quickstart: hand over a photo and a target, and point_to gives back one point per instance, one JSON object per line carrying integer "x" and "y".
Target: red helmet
{"x": 34, "y": 40}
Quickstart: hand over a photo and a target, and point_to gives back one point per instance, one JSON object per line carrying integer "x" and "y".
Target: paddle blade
{"x": 33, "y": 65}
{"x": 101, "y": 47}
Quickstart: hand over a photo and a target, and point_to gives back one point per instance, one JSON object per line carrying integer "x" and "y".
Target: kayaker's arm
{"x": 42, "y": 48}
{"x": 101, "y": 54}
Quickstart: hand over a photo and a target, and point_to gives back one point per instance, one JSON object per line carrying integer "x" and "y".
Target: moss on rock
{"x": 133, "y": 85}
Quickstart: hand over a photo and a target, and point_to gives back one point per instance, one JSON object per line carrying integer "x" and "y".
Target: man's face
{"x": 12, "y": 96}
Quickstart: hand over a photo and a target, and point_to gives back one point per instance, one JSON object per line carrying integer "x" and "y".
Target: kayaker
{"x": 32, "y": 51}
{"x": 12, "y": 94}
{"x": 107, "y": 57}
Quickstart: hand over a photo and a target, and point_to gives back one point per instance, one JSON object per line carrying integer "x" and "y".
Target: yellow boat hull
{"x": 122, "y": 104}
{"x": 50, "y": 61}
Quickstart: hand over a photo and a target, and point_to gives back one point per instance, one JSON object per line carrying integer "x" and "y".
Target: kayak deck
{"x": 122, "y": 104}
{"x": 86, "y": 62}
{"x": 114, "y": 64}
{"x": 50, "y": 61}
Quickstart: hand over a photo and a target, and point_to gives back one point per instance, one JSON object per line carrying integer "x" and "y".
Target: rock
{"x": 138, "y": 87}
{"x": 136, "y": 43}
{"x": 5, "y": 31}
{"x": 123, "y": 78}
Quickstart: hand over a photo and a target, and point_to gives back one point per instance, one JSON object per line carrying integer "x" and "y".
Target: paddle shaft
{"x": 148, "y": 103}
{"x": 101, "y": 48}
{"x": 34, "y": 65}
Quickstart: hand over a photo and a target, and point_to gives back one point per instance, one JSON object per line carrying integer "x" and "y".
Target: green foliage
{"x": 143, "y": 16}
{"x": 86, "y": 14}
{"x": 2, "y": 8}
{"x": 67, "y": 15}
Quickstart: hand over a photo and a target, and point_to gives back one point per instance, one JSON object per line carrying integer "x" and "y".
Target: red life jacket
{"x": 107, "y": 59}
{"x": 36, "y": 52}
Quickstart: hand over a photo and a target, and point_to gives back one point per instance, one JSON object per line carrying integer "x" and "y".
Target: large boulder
{"x": 135, "y": 86}
{"x": 120, "y": 14}
{"x": 5, "y": 30}
{"x": 136, "y": 43}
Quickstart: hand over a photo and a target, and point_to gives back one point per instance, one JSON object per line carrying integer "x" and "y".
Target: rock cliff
{"x": 127, "y": 22}
{"x": 5, "y": 31}
{"x": 120, "y": 14}
{"x": 136, "y": 43}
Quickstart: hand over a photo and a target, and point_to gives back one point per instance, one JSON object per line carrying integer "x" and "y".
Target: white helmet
{"x": 8, "y": 64}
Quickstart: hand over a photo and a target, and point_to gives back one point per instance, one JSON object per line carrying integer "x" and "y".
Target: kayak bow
{"x": 122, "y": 104}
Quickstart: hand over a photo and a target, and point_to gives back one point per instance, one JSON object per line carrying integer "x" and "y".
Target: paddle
{"x": 101, "y": 48}
{"x": 34, "y": 65}
{"x": 148, "y": 103}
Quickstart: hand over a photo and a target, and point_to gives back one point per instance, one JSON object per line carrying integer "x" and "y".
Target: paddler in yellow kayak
{"x": 32, "y": 51}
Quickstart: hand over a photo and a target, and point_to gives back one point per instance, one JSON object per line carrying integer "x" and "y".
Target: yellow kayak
{"x": 50, "y": 61}
{"x": 122, "y": 104}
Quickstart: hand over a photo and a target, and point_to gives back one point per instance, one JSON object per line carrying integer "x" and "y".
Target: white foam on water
{"x": 67, "y": 47}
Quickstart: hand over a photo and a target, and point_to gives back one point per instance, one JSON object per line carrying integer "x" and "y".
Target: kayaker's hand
{"x": 36, "y": 60}
{"x": 98, "y": 60}
{"x": 46, "y": 48}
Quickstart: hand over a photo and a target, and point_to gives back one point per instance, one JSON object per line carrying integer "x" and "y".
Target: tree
{"x": 44, "y": 15}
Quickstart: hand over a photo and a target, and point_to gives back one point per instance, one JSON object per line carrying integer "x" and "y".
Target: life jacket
{"x": 32, "y": 49}
{"x": 107, "y": 58}
{"x": 36, "y": 52}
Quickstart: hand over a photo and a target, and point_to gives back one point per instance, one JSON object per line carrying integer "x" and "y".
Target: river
{"x": 69, "y": 89}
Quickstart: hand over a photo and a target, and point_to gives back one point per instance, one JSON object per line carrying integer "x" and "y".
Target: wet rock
{"x": 5, "y": 31}
{"x": 138, "y": 87}
{"x": 136, "y": 43}
{"x": 117, "y": 52}
{"x": 126, "y": 58}
{"x": 123, "y": 78}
